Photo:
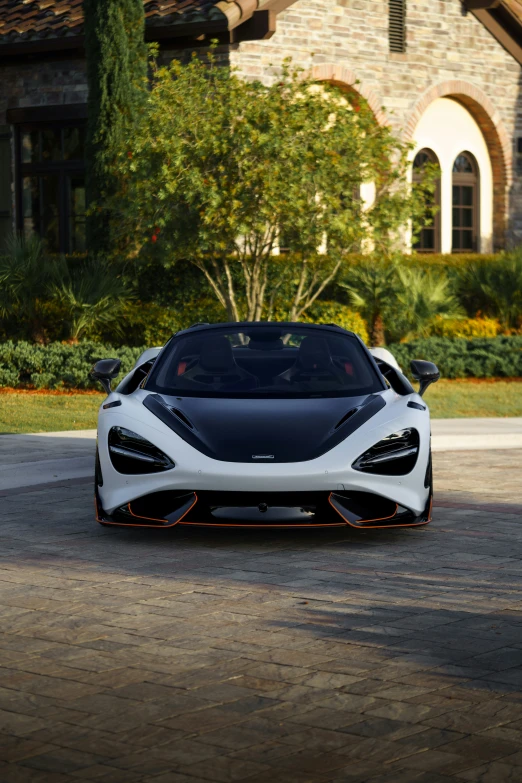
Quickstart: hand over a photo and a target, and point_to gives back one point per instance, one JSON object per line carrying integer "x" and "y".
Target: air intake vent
{"x": 181, "y": 416}
{"x": 397, "y": 25}
{"x": 345, "y": 418}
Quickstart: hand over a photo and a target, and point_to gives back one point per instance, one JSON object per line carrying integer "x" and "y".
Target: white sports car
{"x": 264, "y": 424}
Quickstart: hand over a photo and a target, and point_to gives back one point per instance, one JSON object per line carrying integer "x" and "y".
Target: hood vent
{"x": 345, "y": 418}
{"x": 181, "y": 416}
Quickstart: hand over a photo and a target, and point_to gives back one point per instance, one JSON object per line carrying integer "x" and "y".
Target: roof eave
{"x": 242, "y": 20}
{"x": 503, "y": 25}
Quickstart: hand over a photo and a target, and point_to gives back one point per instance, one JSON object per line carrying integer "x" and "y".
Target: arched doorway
{"x": 428, "y": 240}
{"x": 465, "y": 204}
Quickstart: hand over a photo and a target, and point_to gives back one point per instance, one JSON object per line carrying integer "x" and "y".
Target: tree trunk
{"x": 377, "y": 332}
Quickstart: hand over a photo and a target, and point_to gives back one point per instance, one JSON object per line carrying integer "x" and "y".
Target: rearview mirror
{"x": 104, "y": 371}
{"x": 424, "y": 372}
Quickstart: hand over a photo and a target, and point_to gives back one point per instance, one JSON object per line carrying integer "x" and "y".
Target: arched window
{"x": 465, "y": 204}
{"x": 428, "y": 240}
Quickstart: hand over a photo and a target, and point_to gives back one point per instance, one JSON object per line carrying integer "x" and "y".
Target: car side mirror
{"x": 104, "y": 371}
{"x": 424, "y": 372}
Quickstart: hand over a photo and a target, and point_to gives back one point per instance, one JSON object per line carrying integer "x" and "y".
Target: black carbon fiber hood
{"x": 264, "y": 430}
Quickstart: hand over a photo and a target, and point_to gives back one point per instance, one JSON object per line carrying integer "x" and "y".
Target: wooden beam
{"x": 509, "y": 39}
{"x": 260, "y": 27}
{"x": 473, "y": 5}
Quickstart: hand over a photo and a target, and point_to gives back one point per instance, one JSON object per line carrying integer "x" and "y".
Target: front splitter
{"x": 328, "y": 510}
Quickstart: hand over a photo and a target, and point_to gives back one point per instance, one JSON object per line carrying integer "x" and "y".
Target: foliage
{"x": 60, "y": 365}
{"x": 398, "y": 301}
{"x": 147, "y": 323}
{"x": 466, "y": 328}
{"x": 421, "y": 297}
{"x": 335, "y": 313}
{"x": 372, "y": 288}
{"x": 116, "y": 76}
{"x": 92, "y": 296}
{"x": 25, "y": 280}
{"x": 494, "y": 289}
{"x": 57, "y": 365}
{"x": 44, "y": 296}
{"x": 217, "y": 169}
{"x": 476, "y": 358}
{"x": 447, "y": 261}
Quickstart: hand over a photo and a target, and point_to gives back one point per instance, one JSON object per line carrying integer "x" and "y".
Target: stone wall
{"x": 449, "y": 53}
{"x": 41, "y": 83}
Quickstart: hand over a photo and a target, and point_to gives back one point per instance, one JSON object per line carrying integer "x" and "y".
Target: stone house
{"x": 446, "y": 74}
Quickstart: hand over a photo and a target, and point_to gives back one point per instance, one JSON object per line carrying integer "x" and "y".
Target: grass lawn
{"x": 468, "y": 398}
{"x": 52, "y": 412}
{"x": 44, "y": 412}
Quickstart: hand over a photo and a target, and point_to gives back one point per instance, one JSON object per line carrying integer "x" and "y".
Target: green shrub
{"x": 335, "y": 313}
{"x": 60, "y": 365}
{"x": 148, "y": 323}
{"x": 447, "y": 260}
{"x": 468, "y": 328}
{"x": 494, "y": 289}
{"x": 477, "y": 358}
{"x": 57, "y": 365}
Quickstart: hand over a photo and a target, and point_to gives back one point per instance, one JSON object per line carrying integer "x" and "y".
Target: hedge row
{"x": 58, "y": 365}
{"x": 478, "y": 358}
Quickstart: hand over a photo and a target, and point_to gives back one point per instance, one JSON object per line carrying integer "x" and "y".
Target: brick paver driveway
{"x": 198, "y": 655}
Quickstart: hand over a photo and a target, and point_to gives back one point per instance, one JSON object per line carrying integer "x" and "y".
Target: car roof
{"x": 238, "y": 325}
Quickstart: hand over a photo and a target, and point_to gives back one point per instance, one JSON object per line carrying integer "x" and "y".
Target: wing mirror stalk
{"x": 425, "y": 373}
{"x": 104, "y": 371}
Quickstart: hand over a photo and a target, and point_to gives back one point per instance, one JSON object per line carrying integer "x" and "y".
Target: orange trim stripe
{"x": 246, "y": 525}
{"x": 127, "y": 524}
{"x": 137, "y": 516}
{"x": 369, "y": 521}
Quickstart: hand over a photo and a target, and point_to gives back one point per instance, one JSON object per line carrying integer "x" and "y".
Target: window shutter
{"x": 397, "y": 25}
{"x": 6, "y": 178}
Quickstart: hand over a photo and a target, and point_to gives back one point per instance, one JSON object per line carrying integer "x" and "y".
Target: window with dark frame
{"x": 465, "y": 231}
{"x": 51, "y": 183}
{"x": 428, "y": 239}
{"x": 397, "y": 25}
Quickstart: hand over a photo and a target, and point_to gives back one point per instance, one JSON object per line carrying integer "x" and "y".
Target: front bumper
{"x": 252, "y": 510}
{"x": 201, "y": 490}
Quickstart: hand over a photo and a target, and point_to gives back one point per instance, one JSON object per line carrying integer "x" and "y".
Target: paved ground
{"x": 46, "y": 457}
{"x": 282, "y": 657}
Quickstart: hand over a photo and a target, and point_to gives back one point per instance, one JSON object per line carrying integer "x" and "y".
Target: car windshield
{"x": 264, "y": 361}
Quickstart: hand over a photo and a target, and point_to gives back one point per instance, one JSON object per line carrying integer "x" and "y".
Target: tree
{"x": 422, "y": 296}
{"x": 36, "y": 288}
{"x": 372, "y": 290}
{"x": 92, "y": 297}
{"x": 116, "y": 76}
{"x": 25, "y": 281}
{"x": 216, "y": 169}
{"x": 398, "y": 301}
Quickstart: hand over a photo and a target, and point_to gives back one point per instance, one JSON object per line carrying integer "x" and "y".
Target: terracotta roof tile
{"x": 23, "y": 20}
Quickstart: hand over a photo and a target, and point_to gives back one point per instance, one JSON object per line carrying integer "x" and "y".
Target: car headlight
{"x": 394, "y": 455}
{"x": 130, "y": 453}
